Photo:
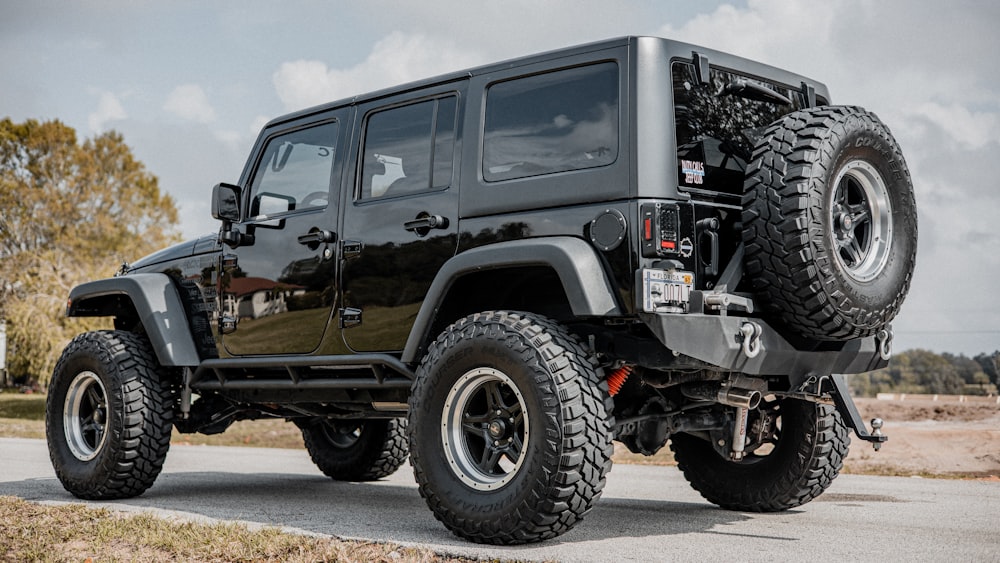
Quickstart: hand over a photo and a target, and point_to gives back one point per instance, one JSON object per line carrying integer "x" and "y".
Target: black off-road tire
{"x": 108, "y": 416}
{"x": 806, "y": 457}
{"x": 356, "y": 450}
{"x": 829, "y": 223}
{"x": 552, "y": 449}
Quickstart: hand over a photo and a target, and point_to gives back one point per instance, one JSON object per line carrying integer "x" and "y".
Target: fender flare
{"x": 157, "y": 303}
{"x": 576, "y": 263}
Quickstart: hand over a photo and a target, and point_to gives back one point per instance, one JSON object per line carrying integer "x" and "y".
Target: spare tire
{"x": 829, "y": 223}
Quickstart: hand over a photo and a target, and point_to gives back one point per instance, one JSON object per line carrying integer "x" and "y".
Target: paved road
{"x": 646, "y": 514}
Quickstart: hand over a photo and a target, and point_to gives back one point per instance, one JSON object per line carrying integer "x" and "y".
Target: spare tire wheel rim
{"x": 861, "y": 220}
{"x": 484, "y": 429}
{"x": 85, "y": 416}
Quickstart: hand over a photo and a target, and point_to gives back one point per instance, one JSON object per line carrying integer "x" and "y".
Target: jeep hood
{"x": 201, "y": 245}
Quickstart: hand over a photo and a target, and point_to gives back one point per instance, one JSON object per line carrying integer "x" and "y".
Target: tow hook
{"x": 884, "y": 339}
{"x": 751, "y": 339}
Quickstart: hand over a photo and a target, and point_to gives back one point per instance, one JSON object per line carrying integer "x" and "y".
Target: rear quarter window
{"x": 553, "y": 122}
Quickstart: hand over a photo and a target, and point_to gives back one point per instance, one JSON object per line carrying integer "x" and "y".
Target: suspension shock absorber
{"x": 617, "y": 379}
{"x": 739, "y": 434}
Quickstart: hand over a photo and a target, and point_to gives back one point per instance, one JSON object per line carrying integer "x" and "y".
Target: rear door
{"x": 279, "y": 287}
{"x": 401, "y": 223}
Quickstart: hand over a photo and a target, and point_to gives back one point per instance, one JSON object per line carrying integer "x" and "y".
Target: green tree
{"x": 990, "y": 363}
{"x": 918, "y": 371}
{"x": 69, "y": 213}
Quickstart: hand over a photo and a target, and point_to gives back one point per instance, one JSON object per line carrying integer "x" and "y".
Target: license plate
{"x": 666, "y": 291}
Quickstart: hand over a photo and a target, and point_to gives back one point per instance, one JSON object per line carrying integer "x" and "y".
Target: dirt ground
{"x": 926, "y": 437}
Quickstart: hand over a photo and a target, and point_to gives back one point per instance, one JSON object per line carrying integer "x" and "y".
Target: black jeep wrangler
{"x": 499, "y": 271}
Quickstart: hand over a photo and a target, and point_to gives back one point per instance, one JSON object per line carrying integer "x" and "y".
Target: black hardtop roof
{"x": 669, "y": 46}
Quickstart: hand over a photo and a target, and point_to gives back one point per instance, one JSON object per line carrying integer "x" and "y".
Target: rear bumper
{"x": 720, "y": 341}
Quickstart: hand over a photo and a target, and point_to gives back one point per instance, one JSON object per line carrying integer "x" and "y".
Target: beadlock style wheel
{"x": 510, "y": 428}
{"x": 85, "y": 416}
{"x": 108, "y": 415}
{"x": 483, "y": 429}
{"x": 861, "y": 216}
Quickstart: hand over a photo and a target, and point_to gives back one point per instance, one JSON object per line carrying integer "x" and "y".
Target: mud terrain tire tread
{"x": 379, "y": 452}
{"x": 796, "y": 472}
{"x": 790, "y": 258}
{"x": 140, "y": 417}
{"x": 574, "y": 432}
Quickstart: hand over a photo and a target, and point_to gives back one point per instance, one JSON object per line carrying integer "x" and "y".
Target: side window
{"x": 409, "y": 148}
{"x": 553, "y": 122}
{"x": 294, "y": 172}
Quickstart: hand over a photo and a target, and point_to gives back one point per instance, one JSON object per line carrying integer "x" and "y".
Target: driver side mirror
{"x": 226, "y": 208}
{"x": 226, "y": 203}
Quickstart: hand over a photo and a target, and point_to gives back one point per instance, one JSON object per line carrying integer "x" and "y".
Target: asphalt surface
{"x": 646, "y": 513}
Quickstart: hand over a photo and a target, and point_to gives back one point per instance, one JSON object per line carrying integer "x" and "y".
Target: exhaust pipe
{"x": 729, "y": 396}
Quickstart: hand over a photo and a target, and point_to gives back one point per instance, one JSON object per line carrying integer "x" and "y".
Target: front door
{"x": 278, "y": 287}
{"x": 401, "y": 225}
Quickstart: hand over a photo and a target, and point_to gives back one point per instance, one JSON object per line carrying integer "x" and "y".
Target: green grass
{"x": 22, "y": 406}
{"x": 279, "y": 333}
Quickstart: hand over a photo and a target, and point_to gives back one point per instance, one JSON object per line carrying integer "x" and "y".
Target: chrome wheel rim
{"x": 85, "y": 416}
{"x": 484, "y": 429}
{"x": 861, "y": 220}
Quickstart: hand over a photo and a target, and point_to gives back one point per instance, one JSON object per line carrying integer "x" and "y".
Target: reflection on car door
{"x": 401, "y": 225}
{"x": 277, "y": 290}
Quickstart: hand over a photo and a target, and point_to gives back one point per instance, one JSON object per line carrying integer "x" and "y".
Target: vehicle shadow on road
{"x": 382, "y": 511}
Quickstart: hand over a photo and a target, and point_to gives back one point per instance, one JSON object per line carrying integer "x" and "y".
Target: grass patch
{"x": 294, "y": 331}
{"x": 29, "y": 406}
{"x": 252, "y": 433}
{"x": 33, "y": 532}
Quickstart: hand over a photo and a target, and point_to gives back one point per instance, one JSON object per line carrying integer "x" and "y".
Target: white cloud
{"x": 109, "y": 108}
{"x": 231, "y": 139}
{"x": 968, "y": 129}
{"x": 189, "y": 102}
{"x": 774, "y": 32}
{"x": 397, "y": 58}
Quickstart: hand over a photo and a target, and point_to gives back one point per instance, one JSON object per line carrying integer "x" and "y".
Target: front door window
{"x": 279, "y": 291}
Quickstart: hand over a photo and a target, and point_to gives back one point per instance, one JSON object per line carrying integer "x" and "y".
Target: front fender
{"x": 157, "y": 304}
{"x": 588, "y": 289}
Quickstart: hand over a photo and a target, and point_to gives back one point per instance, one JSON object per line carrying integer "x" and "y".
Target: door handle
{"x": 316, "y": 237}
{"x": 425, "y": 222}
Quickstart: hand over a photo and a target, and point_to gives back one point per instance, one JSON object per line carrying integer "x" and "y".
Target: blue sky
{"x": 189, "y": 84}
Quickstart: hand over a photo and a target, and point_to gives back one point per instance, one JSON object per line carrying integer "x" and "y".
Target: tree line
{"x": 70, "y": 212}
{"x": 923, "y": 371}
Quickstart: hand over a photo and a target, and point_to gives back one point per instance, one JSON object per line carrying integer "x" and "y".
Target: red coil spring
{"x": 617, "y": 379}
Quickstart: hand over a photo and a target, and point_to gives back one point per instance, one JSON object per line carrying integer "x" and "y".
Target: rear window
{"x": 409, "y": 149}
{"x": 719, "y": 122}
{"x": 553, "y": 122}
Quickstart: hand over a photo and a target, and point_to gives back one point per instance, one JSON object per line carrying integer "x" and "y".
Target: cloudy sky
{"x": 190, "y": 83}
